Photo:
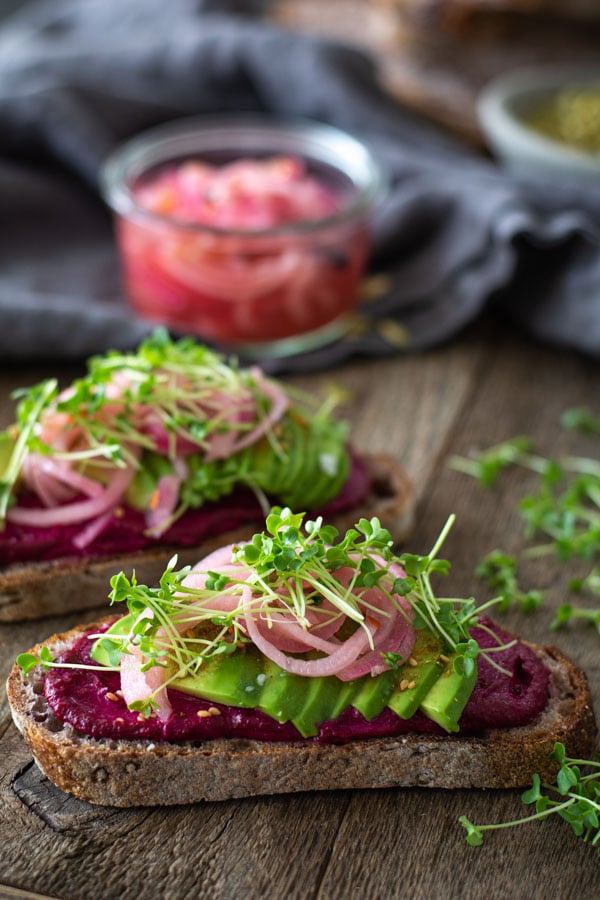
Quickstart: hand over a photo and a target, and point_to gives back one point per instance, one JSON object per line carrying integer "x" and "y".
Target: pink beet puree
{"x": 88, "y": 701}
{"x": 224, "y": 260}
{"x": 125, "y": 533}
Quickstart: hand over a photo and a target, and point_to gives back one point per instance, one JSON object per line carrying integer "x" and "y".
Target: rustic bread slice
{"x": 142, "y": 773}
{"x": 35, "y": 590}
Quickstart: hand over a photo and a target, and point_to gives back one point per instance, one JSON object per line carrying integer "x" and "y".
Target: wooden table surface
{"x": 482, "y": 388}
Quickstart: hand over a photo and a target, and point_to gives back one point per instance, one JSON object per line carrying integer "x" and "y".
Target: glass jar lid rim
{"x": 246, "y": 134}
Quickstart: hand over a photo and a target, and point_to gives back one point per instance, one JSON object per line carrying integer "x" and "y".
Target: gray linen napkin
{"x": 455, "y": 234}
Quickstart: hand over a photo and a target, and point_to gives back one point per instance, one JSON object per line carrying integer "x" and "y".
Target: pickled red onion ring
{"x": 291, "y": 637}
{"x": 93, "y": 529}
{"x": 62, "y": 471}
{"x": 80, "y": 511}
{"x": 279, "y": 404}
{"x": 50, "y": 491}
{"x": 337, "y": 661}
{"x": 138, "y": 685}
{"x": 394, "y": 633}
{"x": 218, "y": 559}
{"x": 163, "y": 504}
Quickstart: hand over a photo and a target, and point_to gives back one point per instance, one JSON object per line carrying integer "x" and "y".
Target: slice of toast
{"x": 35, "y": 590}
{"x": 144, "y": 773}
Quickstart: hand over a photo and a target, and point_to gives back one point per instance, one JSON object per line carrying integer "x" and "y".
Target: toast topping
{"x": 84, "y": 699}
{"x": 304, "y": 629}
{"x": 163, "y": 431}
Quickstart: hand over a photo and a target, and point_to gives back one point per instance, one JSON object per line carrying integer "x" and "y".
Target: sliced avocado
{"x": 292, "y": 463}
{"x": 282, "y": 694}
{"x": 235, "y": 680}
{"x": 448, "y": 697}
{"x": 374, "y": 693}
{"x": 319, "y": 702}
{"x": 106, "y": 652}
{"x": 152, "y": 467}
{"x": 346, "y": 691}
{"x": 330, "y": 472}
{"x": 415, "y": 681}
{"x": 140, "y": 489}
{"x": 296, "y": 469}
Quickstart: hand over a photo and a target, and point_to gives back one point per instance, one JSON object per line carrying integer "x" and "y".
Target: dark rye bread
{"x": 35, "y": 590}
{"x": 142, "y": 773}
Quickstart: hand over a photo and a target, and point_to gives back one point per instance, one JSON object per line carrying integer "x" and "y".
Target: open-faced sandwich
{"x": 166, "y": 449}
{"x": 296, "y": 661}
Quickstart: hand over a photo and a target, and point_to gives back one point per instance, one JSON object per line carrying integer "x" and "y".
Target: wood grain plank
{"x": 413, "y": 846}
{"x": 351, "y": 844}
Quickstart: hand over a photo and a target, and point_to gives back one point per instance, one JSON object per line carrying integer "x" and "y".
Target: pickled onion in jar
{"x": 249, "y": 252}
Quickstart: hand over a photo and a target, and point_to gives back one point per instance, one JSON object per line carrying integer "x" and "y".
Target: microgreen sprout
{"x": 500, "y": 571}
{"x": 582, "y": 419}
{"x": 575, "y": 797}
{"x": 564, "y": 513}
{"x": 29, "y": 411}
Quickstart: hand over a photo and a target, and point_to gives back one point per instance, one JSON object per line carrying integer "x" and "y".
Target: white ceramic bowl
{"x": 503, "y": 106}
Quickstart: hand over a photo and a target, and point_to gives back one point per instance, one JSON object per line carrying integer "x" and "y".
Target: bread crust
{"x": 36, "y": 590}
{"x": 143, "y": 773}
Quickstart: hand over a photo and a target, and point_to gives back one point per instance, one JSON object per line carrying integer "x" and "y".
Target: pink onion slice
{"x": 329, "y": 665}
{"x": 279, "y": 404}
{"x": 80, "y": 511}
{"x": 50, "y": 491}
{"x": 93, "y": 530}
{"x": 163, "y": 504}
{"x": 137, "y": 685}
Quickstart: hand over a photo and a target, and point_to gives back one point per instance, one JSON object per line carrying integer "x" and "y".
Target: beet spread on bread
{"x": 302, "y": 659}
{"x": 166, "y": 448}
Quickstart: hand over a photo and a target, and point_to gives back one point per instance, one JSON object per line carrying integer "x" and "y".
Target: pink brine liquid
{"x": 225, "y": 257}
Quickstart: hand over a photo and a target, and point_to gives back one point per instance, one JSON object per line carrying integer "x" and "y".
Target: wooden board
{"x": 392, "y": 843}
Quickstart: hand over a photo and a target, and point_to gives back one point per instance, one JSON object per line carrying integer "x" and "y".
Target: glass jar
{"x": 267, "y": 273}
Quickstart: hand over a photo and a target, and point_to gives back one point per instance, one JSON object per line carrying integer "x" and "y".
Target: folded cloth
{"x": 454, "y": 235}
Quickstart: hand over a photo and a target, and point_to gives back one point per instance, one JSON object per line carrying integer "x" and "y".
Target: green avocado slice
{"x": 282, "y": 695}
{"x": 373, "y": 693}
{"x": 418, "y": 675}
{"x": 234, "y": 679}
{"x": 448, "y": 697}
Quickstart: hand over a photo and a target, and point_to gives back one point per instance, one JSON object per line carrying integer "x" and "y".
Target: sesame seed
{"x": 119, "y": 693}
{"x": 412, "y": 661}
{"x": 444, "y": 659}
{"x": 111, "y": 696}
{"x": 403, "y": 684}
{"x": 120, "y": 720}
{"x": 412, "y": 685}
{"x": 203, "y": 714}
{"x": 141, "y": 718}
{"x": 214, "y": 711}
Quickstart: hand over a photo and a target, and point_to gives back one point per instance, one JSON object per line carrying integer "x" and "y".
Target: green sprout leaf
{"x": 27, "y": 662}
{"x": 561, "y": 518}
{"x": 474, "y": 834}
{"x": 575, "y": 798}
